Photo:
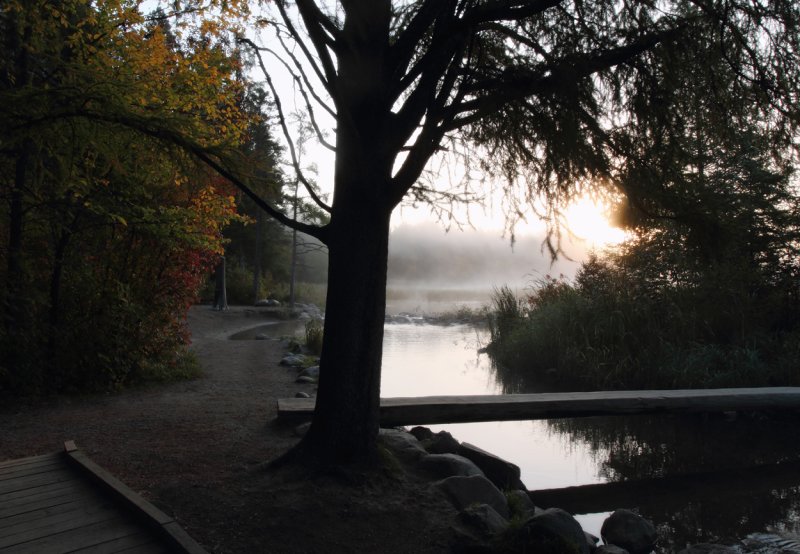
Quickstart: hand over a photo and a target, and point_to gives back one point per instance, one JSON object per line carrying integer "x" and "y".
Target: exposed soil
{"x": 197, "y": 449}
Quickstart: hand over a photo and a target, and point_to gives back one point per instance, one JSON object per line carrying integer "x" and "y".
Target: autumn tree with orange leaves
{"x": 106, "y": 230}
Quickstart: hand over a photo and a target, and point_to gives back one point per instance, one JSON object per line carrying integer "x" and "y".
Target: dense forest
{"x": 109, "y": 228}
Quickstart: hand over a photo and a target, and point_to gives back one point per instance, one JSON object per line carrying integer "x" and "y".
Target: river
{"x": 698, "y": 478}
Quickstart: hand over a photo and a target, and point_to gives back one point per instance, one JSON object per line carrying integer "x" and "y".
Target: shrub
{"x": 314, "y": 333}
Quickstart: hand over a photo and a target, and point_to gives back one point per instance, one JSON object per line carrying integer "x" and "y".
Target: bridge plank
{"x": 462, "y": 409}
{"x": 67, "y": 503}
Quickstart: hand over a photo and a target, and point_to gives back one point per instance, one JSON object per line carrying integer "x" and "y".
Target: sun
{"x": 588, "y": 220}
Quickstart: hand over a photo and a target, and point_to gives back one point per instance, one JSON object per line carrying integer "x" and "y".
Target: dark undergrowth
{"x": 606, "y": 331}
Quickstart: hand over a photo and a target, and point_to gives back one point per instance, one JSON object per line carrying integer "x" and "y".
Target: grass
{"x": 589, "y": 338}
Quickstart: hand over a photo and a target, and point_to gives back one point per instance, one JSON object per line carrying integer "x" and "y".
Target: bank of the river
{"x": 196, "y": 449}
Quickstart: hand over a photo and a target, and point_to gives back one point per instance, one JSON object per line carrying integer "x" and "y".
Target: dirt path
{"x": 196, "y": 448}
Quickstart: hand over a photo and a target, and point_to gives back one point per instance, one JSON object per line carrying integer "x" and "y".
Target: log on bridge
{"x": 427, "y": 410}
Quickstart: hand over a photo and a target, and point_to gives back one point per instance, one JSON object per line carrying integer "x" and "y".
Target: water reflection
{"x": 699, "y": 478}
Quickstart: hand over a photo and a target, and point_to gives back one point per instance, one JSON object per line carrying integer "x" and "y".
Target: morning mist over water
{"x": 433, "y": 270}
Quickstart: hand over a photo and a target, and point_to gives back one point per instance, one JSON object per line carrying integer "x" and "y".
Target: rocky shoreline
{"x": 496, "y": 512}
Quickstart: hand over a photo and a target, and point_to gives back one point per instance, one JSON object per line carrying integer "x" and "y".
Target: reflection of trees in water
{"x": 647, "y": 446}
{"x": 730, "y": 500}
{"x": 723, "y": 518}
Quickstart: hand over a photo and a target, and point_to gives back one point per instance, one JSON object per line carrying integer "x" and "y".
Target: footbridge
{"x": 427, "y": 410}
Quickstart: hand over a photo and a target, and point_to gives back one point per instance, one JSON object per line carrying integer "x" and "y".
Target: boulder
{"x": 422, "y": 433}
{"x": 262, "y": 336}
{"x": 446, "y": 465}
{"x": 293, "y": 360}
{"x": 302, "y": 429}
{"x": 551, "y": 531}
{"x": 441, "y": 443}
{"x": 503, "y": 474}
{"x": 305, "y": 379}
{"x": 402, "y": 444}
{"x": 464, "y": 491}
{"x": 630, "y": 531}
{"x": 302, "y": 395}
{"x": 520, "y": 504}
{"x": 312, "y": 372}
{"x": 484, "y": 519}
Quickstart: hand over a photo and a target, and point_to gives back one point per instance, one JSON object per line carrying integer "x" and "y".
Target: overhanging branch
{"x": 284, "y": 127}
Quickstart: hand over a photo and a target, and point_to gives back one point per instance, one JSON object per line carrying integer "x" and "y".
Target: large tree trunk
{"x": 345, "y": 425}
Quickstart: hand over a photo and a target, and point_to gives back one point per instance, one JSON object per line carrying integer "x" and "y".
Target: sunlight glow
{"x": 588, "y": 219}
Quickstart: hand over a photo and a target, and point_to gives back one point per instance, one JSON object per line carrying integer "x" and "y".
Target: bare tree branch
{"x": 282, "y": 119}
{"x": 312, "y": 18}
{"x": 407, "y": 44}
{"x": 302, "y": 72}
{"x": 312, "y": 230}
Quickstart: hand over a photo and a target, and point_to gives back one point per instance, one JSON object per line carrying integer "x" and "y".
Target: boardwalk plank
{"x": 30, "y": 460}
{"x": 40, "y": 497}
{"x": 33, "y": 481}
{"x": 67, "y": 503}
{"x": 75, "y": 539}
{"x": 71, "y": 504}
{"x": 31, "y": 469}
{"x": 76, "y": 519}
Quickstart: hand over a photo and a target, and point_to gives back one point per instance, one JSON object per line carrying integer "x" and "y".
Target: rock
{"x": 591, "y": 540}
{"x": 520, "y": 503}
{"x": 293, "y": 360}
{"x": 441, "y": 443}
{"x": 446, "y": 465}
{"x": 551, "y": 531}
{"x": 302, "y": 429}
{"x": 422, "y": 433}
{"x": 630, "y": 531}
{"x": 302, "y": 395}
{"x": 267, "y": 303}
{"x": 404, "y": 445}
{"x": 466, "y": 540}
{"x": 484, "y": 519}
{"x": 610, "y": 549}
{"x": 312, "y": 372}
{"x": 262, "y": 336}
{"x": 474, "y": 489}
{"x": 305, "y": 379}
{"x": 503, "y": 474}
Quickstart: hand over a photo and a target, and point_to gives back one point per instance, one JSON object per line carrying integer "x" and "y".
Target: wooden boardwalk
{"x": 64, "y": 502}
{"x": 427, "y": 410}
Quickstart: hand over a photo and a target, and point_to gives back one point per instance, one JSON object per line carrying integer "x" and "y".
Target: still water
{"x": 698, "y": 478}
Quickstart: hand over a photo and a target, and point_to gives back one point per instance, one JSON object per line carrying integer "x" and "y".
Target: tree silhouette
{"x": 550, "y": 96}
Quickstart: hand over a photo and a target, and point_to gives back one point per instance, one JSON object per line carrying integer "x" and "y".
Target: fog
{"x": 423, "y": 257}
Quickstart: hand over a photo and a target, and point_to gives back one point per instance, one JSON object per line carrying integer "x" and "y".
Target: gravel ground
{"x": 197, "y": 449}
